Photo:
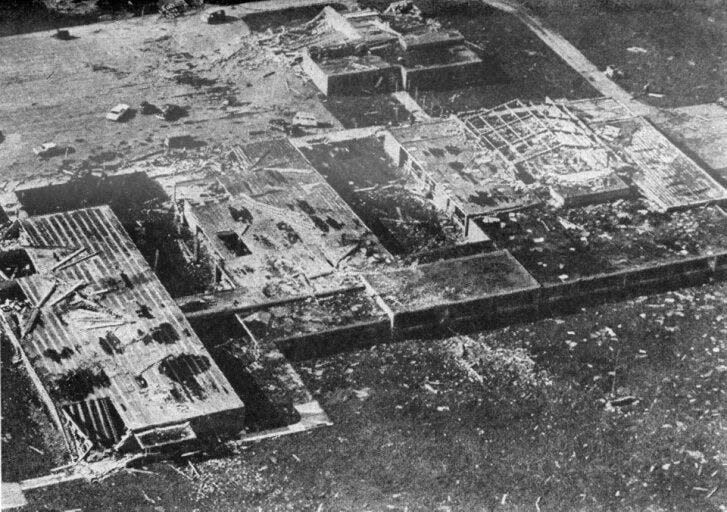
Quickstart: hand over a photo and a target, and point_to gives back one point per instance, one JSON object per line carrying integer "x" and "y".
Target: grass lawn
{"x": 427, "y": 438}
{"x": 685, "y": 56}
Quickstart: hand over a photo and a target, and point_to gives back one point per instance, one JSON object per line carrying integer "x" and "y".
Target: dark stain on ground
{"x": 184, "y": 369}
{"x": 187, "y": 77}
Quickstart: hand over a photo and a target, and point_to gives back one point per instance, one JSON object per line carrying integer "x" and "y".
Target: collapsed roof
{"x": 115, "y": 356}
{"x": 280, "y": 230}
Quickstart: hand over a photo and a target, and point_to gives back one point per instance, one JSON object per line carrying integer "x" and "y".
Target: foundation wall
{"x": 383, "y": 80}
{"x": 511, "y": 305}
{"x": 632, "y": 282}
{"x": 324, "y": 343}
{"x": 394, "y": 150}
{"x": 490, "y": 312}
{"x": 455, "y": 251}
{"x": 315, "y": 73}
{"x": 228, "y": 422}
{"x": 443, "y": 76}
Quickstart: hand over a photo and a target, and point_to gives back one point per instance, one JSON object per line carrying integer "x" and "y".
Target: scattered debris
{"x": 614, "y": 72}
{"x": 172, "y": 112}
{"x": 305, "y": 119}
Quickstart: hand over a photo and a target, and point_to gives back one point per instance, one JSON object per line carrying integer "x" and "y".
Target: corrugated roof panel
{"x": 124, "y": 325}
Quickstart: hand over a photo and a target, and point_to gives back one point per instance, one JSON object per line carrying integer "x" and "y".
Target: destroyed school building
{"x": 361, "y": 50}
{"x": 548, "y": 206}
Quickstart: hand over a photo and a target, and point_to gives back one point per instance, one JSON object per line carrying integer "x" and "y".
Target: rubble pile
{"x": 416, "y": 225}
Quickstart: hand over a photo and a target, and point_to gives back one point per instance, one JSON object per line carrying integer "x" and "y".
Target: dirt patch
{"x": 186, "y": 77}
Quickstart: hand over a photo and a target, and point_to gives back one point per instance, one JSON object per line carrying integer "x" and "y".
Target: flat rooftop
{"x": 110, "y": 343}
{"x": 362, "y": 42}
{"x": 280, "y": 230}
{"x": 448, "y": 281}
{"x": 312, "y": 315}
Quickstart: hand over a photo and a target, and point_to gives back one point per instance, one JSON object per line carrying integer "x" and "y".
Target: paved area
{"x": 60, "y": 91}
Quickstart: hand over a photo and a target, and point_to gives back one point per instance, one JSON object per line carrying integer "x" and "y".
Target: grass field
{"x": 421, "y": 436}
{"x": 679, "y": 48}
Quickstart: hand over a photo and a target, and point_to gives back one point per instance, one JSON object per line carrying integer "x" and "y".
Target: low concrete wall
{"x": 632, "y": 282}
{"x": 512, "y": 307}
{"x": 324, "y": 343}
{"x": 506, "y": 308}
{"x": 443, "y": 76}
{"x": 516, "y": 305}
{"x": 455, "y": 251}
